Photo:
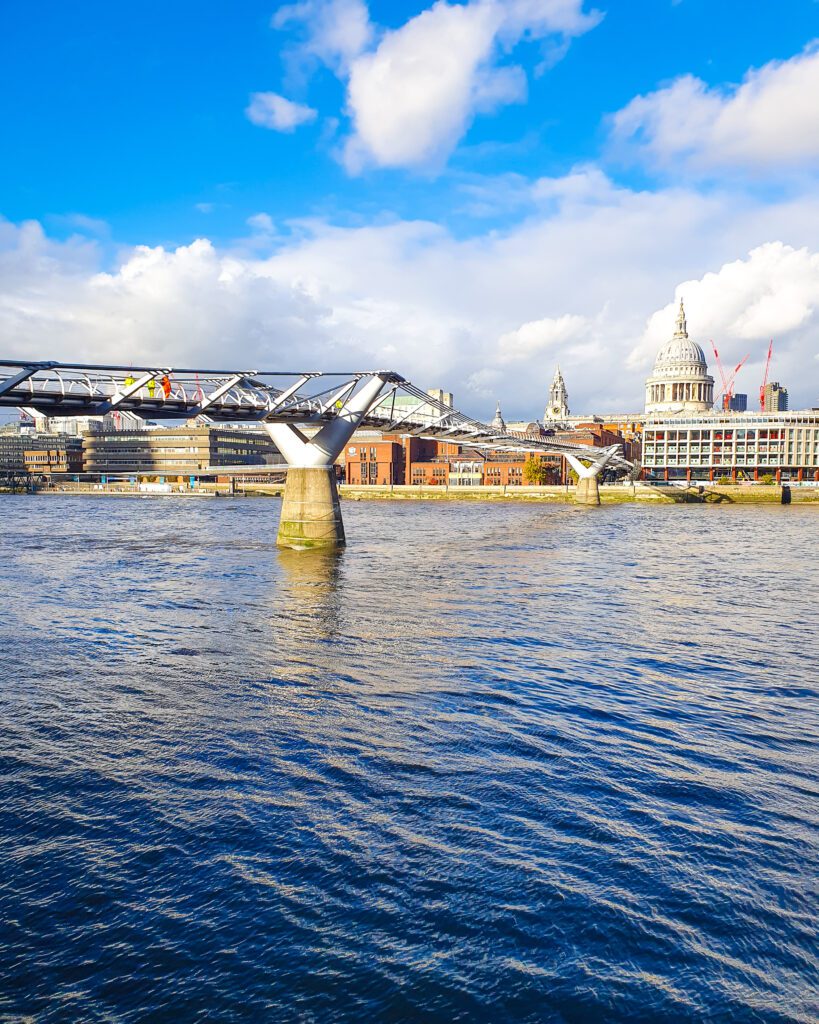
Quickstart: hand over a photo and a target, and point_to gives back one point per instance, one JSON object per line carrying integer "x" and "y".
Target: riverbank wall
{"x": 740, "y": 494}
{"x": 750, "y": 494}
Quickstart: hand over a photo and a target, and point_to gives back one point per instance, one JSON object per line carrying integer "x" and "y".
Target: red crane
{"x": 728, "y": 380}
{"x": 765, "y": 378}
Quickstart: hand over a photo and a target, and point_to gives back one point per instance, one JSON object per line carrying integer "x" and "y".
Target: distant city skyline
{"x": 467, "y": 193}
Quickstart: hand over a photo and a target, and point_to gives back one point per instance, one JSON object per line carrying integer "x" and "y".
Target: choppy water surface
{"x": 493, "y": 763}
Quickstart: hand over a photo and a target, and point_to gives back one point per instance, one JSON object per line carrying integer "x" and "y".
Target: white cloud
{"x": 192, "y": 303}
{"x": 412, "y": 92}
{"x": 585, "y": 185}
{"x": 262, "y": 222}
{"x": 269, "y": 110}
{"x": 412, "y": 98}
{"x": 538, "y": 337}
{"x": 770, "y": 121}
{"x": 484, "y": 383}
{"x": 772, "y": 293}
{"x": 415, "y": 95}
{"x": 82, "y": 223}
{"x": 336, "y": 30}
{"x": 540, "y": 18}
{"x": 576, "y": 281}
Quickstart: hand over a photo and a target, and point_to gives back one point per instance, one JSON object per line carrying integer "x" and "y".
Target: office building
{"x": 742, "y": 446}
{"x": 775, "y": 398}
{"x": 175, "y": 451}
{"x": 26, "y": 452}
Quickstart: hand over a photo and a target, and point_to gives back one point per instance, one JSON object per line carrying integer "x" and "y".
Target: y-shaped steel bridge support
{"x": 588, "y": 491}
{"x": 311, "y": 514}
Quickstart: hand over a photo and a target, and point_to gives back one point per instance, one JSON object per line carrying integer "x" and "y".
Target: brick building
{"x": 430, "y": 463}
{"x": 372, "y": 461}
{"x": 373, "y": 458}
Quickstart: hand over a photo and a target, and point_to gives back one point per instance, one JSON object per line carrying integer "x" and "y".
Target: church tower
{"x": 557, "y": 409}
{"x": 498, "y": 422}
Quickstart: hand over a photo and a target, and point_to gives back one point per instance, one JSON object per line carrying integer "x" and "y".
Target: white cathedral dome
{"x": 679, "y": 382}
{"x": 677, "y": 353}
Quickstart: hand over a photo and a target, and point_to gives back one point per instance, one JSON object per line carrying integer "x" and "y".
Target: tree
{"x": 535, "y": 471}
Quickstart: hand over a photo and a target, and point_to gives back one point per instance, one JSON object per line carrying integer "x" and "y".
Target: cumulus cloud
{"x": 335, "y": 31}
{"x": 773, "y": 292}
{"x": 412, "y": 92}
{"x": 262, "y": 222}
{"x": 540, "y": 336}
{"x": 414, "y": 96}
{"x": 540, "y": 18}
{"x": 769, "y": 121}
{"x": 269, "y": 110}
{"x": 191, "y": 303}
{"x": 576, "y": 280}
{"x": 411, "y": 99}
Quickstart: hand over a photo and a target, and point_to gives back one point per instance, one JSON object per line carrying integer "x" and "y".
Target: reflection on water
{"x": 490, "y": 763}
{"x": 307, "y": 602}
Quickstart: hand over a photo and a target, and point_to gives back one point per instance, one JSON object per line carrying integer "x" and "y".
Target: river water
{"x": 492, "y": 763}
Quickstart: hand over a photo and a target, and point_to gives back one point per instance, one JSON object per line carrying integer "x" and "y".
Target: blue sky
{"x": 128, "y": 126}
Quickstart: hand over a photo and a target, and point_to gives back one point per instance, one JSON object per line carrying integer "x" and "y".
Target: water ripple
{"x": 493, "y": 763}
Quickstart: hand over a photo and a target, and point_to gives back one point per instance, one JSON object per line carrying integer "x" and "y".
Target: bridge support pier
{"x": 311, "y": 511}
{"x": 587, "y": 491}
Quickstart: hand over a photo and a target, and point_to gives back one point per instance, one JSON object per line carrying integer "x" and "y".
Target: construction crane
{"x": 728, "y": 380}
{"x": 765, "y": 378}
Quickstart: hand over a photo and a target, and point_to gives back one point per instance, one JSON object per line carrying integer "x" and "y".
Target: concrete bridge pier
{"x": 588, "y": 490}
{"x": 311, "y": 511}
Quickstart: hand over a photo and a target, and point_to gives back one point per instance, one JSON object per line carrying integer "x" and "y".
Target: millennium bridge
{"x": 310, "y": 417}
